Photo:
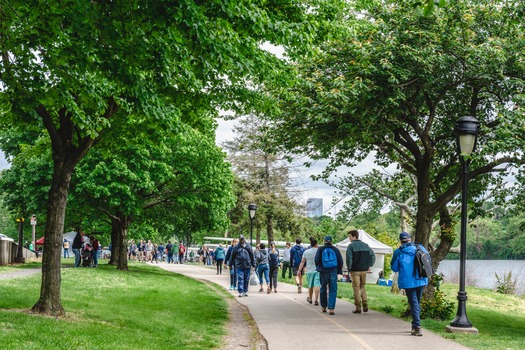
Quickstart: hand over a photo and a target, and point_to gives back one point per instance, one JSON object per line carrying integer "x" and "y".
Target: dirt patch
{"x": 242, "y": 330}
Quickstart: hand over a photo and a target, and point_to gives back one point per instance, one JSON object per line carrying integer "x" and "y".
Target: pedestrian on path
{"x": 329, "y": 263}
{"x": 296, "y": 255}
{"x": 286, "y": 261}
{"x": 359, "y": 259}
{"x": 227, "y": 259}
{"x": 263, "y": 267}
{"x": 273, "y": 261}
{"x": 312, "y": 275}
{"x": 77, "y": 245}
{"x": 403, "y": 262}
{"x": 242, "y": 259}
{"x": 219, "y": 258}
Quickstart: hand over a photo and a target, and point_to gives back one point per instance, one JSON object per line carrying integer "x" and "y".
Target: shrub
{"x": 437, "y": 307}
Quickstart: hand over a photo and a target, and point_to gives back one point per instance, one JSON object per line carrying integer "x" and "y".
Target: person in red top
{"x": 95, "y": 245}
{"x": 182, "y": 250}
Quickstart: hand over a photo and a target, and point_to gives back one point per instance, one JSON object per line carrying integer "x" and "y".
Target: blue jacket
{"x": 403, "y": 262}
{"x": 219, "y": 253}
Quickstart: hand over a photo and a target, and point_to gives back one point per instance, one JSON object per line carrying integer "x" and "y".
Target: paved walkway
{"x": 287, "y": 321}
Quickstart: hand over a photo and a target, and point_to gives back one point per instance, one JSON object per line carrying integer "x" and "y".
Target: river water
{"x": 482, "y": 273}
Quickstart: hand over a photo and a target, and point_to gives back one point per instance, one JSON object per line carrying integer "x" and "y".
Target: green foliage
{"x": 438, "y": 307}
{"x": 506, "y": 284}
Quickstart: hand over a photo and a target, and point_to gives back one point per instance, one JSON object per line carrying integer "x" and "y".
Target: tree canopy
{"x": 393, "y": 84}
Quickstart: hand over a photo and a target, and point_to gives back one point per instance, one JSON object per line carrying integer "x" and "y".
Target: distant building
{"x": 314, "y": 207}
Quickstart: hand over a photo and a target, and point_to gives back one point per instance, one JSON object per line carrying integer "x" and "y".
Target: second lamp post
{"x": 251, "y": 211}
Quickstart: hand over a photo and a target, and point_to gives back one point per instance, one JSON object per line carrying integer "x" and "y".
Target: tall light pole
{"x": 20, "y": 253}
{"x": 252, "y": 208}
{"x": 467, "y": 129}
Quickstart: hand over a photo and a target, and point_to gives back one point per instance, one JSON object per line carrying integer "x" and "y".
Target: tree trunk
{"x": 114, "y": 241}
{"x": 269, "y": 229}
{"x": 123, "y": 224}
{"x": 49, "y": 302}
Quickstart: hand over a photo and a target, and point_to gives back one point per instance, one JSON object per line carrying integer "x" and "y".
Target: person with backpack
{"x": 329, "y": 263}
{"x": 296, "y": 256}
{"x": 182, "y": 251}
{"x": 359, "y": 259}
{"x": 227, "y": 259}
{"x": 408, "y": 279}
{"x": 169, "y": 251}
{"x": 242, "y": 259}
{"x": 312, "y": 275}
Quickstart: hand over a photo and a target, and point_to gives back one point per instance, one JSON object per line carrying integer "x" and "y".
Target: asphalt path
{"x": 287, "y": 321}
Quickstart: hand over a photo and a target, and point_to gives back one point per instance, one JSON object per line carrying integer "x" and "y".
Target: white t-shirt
{"x": 309, "y": 256}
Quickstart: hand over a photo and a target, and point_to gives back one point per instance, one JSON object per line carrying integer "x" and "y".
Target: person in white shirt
{"x": 312, "y": 275}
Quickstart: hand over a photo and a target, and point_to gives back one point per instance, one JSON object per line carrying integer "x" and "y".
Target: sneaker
{"x": 323, "y": 309}
{"x": 269, "y": 290}
{"x": 416, "y": 331}
{"x": 365, "y": 307}
{"x": 332, "y": 312}
{"x": 240, "y": 295}
{"x": 275, "y": 290}
{"x": 357, "y": 311}
{"x": 260, "y": 290}
{"x": 245, "y": 294}
{"x": 299, "y": 289}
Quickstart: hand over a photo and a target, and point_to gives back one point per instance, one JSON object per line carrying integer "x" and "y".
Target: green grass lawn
{"x": 143, "y": 308}
{"x": 499, "y": 318}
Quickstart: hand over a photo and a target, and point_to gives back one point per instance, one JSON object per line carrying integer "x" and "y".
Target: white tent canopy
{"x": 380, "y": 249}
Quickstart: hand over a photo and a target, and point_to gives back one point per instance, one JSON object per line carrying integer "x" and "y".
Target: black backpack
{"x": 422, "y": 264}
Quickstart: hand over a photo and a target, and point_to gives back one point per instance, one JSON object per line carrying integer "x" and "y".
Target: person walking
{"x": 359, "y": 259}
{"x": 169, "y": 251}
{"x": 329, "y": 263}
{"x": 286, "y": 261}
{"x": 263, "y": 268}
{"x": 312, "y": 275}
{"x": 77, "y": 245}
{"x": 227, "y": 259}
{"x": 296, "y": 256}
{"x": 219, "y": 258}
{"x": 273, "y": 261}
{"x": 182, "y": 251}
{"x": 242, "y": 259}
{"x": 403, "y": 263}
{"x": 95, "y": 245}
{"x": 65, "y": 245}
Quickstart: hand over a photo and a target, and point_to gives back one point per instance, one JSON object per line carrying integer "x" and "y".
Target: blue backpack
{"x": 329, "y": 259}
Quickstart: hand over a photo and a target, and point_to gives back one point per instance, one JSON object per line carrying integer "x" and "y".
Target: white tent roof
{"x": 377, "y": 247}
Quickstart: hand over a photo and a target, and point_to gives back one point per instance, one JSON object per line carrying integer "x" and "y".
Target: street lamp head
{"x": 467, "y": 129}
{"x": 251, "y": 210}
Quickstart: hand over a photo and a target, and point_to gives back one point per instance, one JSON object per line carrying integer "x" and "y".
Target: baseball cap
{"x": 328, "y": 239}
{"x": 404, "y": 237}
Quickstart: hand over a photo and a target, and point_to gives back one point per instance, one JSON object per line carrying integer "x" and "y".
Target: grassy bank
{"x": 499, "y": 318}
{"x": 143, "y": 308}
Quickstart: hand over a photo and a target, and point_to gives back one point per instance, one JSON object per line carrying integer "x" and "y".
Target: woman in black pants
{"x": 273, "y": 260}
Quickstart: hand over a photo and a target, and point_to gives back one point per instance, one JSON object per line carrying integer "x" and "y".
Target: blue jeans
{"x": 243, "y": 279}
{"x": 233, "y": 277}
{"x": 414, "y": 298}
{"x": 170, "y": 258}
{"x": 328, "y": 279}
{"x": 77, "y": 257}
{"x": 263, "y": 268}
{"x": 66, "y": 253}
{"x": 95, "y": 258}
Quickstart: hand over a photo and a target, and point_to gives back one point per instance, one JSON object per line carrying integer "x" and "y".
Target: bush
{"x": 438, "y": 307}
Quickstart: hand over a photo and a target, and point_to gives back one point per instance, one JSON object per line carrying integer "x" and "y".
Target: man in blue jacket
{"x": 403, "y": 262}
{"x": 243, "y": 260}
{"x": 328, "y": 275}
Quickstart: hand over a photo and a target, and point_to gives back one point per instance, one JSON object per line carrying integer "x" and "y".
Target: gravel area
{"x": 18, "y": 273}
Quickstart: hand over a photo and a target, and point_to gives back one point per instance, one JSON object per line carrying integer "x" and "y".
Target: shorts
{"x": 313, "y": 279}
{"x": 295, "y": 269}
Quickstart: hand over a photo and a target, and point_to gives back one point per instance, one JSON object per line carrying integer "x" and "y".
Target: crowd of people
{"x": 146, "y": 251}
{"x": 323, "y": 266}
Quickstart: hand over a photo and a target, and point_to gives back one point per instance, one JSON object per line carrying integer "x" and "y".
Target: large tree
{"x": 265, "y": 178}
{"x": 392, "y": 86}
{"x": 72, "y": 66}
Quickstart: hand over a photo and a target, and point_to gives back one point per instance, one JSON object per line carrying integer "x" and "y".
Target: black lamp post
{"x": 467, "y": 129}
{"x": 251, "y": 211}
{"x": 20, "y": 253}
